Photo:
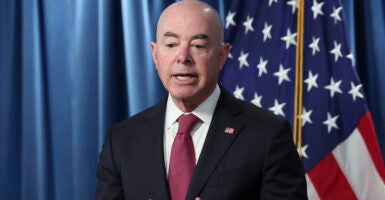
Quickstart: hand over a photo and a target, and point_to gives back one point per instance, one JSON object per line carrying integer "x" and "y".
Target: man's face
{"x": 188, "y": 55}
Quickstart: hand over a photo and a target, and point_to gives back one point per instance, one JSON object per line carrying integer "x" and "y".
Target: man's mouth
{"x": 184, "y": 77}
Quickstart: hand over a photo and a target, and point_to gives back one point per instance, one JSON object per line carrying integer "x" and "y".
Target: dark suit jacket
{"x": 257, "y": 161}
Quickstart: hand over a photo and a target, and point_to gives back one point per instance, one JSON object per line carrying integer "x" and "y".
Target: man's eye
{"x": 170, "y": 45}
{"x": 200, "y": 46}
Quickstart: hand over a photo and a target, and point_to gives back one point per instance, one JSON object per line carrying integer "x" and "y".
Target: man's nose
{"x": 184, "y": 55}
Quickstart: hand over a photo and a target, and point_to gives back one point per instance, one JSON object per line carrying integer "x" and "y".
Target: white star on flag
{"x": 282, "y": 74}
{"x": 303, "y": 151}
{"x": 311, "y": 81}
{"x": 330, "y": 122}
{"x": 289, "y": 38}
{"x": 317, "y": 8}
{"x": 293, "y": 4}
{"x": 277, "y": 109}
{"x": 336, "y": 14}
{"x": 230, "y": 56}
{"x": 355, "y": 91}
{"x": 334, "y": 87}
{"x": 351, "y": 58}
{"x": 314, "y": 45}
{"x": 248, "y": 24}
{"x": 257, "y": 100}
{"x": 243, "y": 60}
{"x": 266, "y": 31}
{"x": 306, "y": 116}
{"x": 336, "y": 51}
{"x": 238, "y": 93}
{"x": 272, "y": 1}
{"x": 262, "y": 66}
{"x": 230, "y": 19}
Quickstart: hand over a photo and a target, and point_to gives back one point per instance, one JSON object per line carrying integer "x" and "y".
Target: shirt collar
{"x": 204, "y": 111}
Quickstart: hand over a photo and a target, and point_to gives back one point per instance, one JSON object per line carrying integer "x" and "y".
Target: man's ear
{"x": 224, "y": 53}
{"x": 154, "y": 52}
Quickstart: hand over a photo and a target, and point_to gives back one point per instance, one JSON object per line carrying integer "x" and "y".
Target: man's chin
{"x": 182, "y": 97}
{"x": 183, "y": 92}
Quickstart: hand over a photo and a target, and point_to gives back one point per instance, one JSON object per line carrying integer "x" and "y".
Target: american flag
{"x": 339, "y": 147}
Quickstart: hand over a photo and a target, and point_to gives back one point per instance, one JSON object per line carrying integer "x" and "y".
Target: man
{"x": 239, "y": 151}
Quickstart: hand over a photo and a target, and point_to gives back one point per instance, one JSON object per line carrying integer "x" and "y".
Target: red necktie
{"x": 182, "y": 160}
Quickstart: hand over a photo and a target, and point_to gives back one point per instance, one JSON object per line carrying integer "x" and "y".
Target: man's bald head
{"x": 187, "y": 9}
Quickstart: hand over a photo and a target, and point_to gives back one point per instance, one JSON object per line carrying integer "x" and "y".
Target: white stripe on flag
{"x": 311, "y": 192}
{"x": 354, "y": 160}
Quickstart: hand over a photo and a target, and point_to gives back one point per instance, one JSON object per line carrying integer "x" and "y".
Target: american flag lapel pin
{"x": 229, "y": 130}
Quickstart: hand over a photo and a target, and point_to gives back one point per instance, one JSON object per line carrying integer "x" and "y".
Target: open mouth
{"x": 184, "y": 77}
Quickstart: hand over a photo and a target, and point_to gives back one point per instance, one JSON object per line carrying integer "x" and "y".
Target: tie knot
{"x": 187, "y": 122}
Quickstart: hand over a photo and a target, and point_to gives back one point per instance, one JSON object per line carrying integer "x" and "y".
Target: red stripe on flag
{"x": 366, "y": 128}
{"x": 329, "y": 181}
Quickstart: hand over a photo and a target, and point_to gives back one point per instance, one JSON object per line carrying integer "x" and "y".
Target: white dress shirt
{"x": 204, "y": 112}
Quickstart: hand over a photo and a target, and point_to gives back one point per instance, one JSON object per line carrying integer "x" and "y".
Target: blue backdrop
{"x": 69, "y": 69}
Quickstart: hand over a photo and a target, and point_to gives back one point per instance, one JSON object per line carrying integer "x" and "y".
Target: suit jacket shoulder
{"x": 144, "y": 116}
{"x": 248, "y": 154}
{"x": 131, "y": 164}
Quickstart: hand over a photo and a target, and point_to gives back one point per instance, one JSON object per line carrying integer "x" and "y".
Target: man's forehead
{"x": 188, "y": 11}
{"x": 201, "y": 17}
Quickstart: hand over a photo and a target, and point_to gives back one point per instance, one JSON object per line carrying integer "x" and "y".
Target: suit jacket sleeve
{"x": 283, "y": 172}
{"x": 110, "y": 183}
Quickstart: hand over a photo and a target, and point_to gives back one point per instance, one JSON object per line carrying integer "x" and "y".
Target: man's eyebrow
{"x": 201, "y": 36}
{"x": 170, "y": 34}
{"x": 198, "y": 36}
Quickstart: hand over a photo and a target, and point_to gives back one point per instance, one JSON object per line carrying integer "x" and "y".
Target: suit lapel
{"x": 223, "y": 130}
{"x": 156, "y": 126}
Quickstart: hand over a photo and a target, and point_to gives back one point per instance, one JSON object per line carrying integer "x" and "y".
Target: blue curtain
{"x": 366, "y": 28}
{"x": 70, "y": 69}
